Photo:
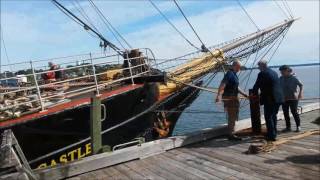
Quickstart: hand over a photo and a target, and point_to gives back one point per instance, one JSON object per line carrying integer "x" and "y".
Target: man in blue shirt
{"x": 270, "y": 96}
{"x": 229, "y": 88}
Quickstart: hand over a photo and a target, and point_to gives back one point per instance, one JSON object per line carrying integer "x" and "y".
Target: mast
{"x": 258, "y": 34}
{"x": 245, "y": 46}
{"x": 87, "y": 27}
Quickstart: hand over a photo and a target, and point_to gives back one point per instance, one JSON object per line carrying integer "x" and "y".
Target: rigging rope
{"x": 253, "y": 63}
{"x": 75, "y": 20}
{"x": 284, "y": 35}
{"x": 5, "y": 49}
{"x": 72, "y": 18}
{"x": 86, "y": 26}
{"x": 173, "y": 26}
{"x": 287, "y": 7}
{"x": 109, "y": 25}
{"x": 264, "y": 54}
{"x": 278, "y": 5}
{"x": 203, "y": 47}
{"x": 251, "y": 19}
{"x": 102, "y": 17}
{"x": 84, "y": 14}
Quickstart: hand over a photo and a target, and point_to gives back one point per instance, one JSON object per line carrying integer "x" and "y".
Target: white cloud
{"x": 51, "y": 34}
{"x": 300, "y": 45}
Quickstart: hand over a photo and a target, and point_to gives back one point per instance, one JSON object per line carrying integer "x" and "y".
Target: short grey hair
{"x": 236, "y": 62}
{"x": 263, "y": 63}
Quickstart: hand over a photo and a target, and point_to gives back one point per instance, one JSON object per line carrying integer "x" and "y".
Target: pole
{"x": 94, "y": 75}
{"x": 95, "y": 124}
{"x": 130, "y": 69}
{"x": 255, "y": 112}
{"x": 37, "y": 86}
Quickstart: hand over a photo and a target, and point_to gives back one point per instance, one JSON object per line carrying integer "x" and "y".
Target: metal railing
{"x": 91, "y": 75}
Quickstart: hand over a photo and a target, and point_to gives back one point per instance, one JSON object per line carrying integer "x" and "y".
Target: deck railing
{"x": 91, "y": 75}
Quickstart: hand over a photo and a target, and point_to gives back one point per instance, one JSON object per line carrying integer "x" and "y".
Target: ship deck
{"x": 69, "y": 103}
{"x": 219, "y": 158}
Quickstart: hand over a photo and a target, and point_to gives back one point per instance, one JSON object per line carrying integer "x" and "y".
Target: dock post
{"x": 255, "y": 112}
{"x": 95, "y": 124}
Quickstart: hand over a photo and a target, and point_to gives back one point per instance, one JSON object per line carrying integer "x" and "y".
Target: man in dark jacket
{"x": 270, "y": 96}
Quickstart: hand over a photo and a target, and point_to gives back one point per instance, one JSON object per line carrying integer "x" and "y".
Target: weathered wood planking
{"x": 222, "y": 159}
{"x": 143, "y": 151}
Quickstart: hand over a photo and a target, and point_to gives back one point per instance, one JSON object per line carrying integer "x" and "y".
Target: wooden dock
{"x": 219, "y": 158}
{"x": 205, "y": 154}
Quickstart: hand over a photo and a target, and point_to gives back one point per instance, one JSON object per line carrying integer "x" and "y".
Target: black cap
{"x": 284, "y": 67}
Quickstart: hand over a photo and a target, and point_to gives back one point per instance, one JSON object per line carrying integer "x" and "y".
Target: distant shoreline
{"x": 291, "y": 65}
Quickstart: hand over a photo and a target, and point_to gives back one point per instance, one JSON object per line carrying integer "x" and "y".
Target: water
{"x": 213, "y": 114}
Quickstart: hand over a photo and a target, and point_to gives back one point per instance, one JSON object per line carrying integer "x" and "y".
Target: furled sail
{"x": 221, "y": 54}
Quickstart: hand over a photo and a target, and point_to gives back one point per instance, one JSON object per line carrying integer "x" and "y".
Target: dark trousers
{"x": 293, "y": 105}
{"x": 270, "y": 115}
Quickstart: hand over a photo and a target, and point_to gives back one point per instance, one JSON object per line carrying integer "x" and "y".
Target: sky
{"x": 36, "y": 29}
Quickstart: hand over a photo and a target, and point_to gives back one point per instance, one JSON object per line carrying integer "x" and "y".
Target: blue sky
{"x": 37, "y": 29}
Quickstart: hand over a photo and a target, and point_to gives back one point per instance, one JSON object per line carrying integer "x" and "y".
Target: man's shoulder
{"x": 229, "y": 74}
{"x": 269, "y": 70}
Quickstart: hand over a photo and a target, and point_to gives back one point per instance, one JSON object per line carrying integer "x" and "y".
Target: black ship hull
{"x": 64, "y": 136}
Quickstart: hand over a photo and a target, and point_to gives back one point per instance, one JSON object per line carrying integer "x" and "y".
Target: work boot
{"x": 234, "y": 138}
{"x": 286, "y": 130}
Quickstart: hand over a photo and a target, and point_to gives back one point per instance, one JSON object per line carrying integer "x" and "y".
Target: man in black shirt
{"x": 229, "y": 88}
{"x": 270, "y": 96}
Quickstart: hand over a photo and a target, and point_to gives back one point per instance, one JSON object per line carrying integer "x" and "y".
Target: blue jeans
{"x": 270, "y": 115}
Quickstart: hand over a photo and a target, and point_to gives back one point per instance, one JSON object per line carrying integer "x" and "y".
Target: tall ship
{"x": 47, "y": 102}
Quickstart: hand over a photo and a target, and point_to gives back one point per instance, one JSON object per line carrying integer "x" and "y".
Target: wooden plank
{"x": 173, "y": 168}
{"x": 128, "y": 172}
{"x": 281, "y": 165}
{"x": 200, "y": 165}
{"x": 159, "y": 169}
{"x": 241, "y": 171}
{"x": 183, "y": 167}
{"x": 98, "y": 174}
{"x": 312, "y": 139}
{"x": 144, "y": 171}
{"x": 114, "y": 173}
{"x": 107, "y": 159}
{"x": 283, "y": 155}
{"x": 204, "y": 165}
{"x": 244, "y": 165}
{"x": 304, "y": 144}
{"x": 248, "y": 162}
{"x": 298, "y": 149}
{"x": 280, "y": 156}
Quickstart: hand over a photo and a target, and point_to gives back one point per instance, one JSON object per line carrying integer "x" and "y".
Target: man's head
{"x": 285, "y": 70}
{"x": 236, "y": 65}
{"x": 262, "y": 65}
{"x": 50, "y": 64}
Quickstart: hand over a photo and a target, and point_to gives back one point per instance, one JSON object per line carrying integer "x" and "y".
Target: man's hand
{"x": 300, "y": 96}
{"x": 218, "y": 99}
